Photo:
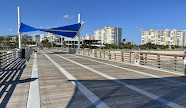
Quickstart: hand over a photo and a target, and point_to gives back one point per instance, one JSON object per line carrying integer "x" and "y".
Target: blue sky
{"x": 131, "y": 15}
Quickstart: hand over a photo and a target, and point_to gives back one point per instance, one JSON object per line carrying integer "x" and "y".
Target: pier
{"x": 59, "y": 78}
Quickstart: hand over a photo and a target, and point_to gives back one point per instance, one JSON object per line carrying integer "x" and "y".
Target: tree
{"x": 1, "y": 39}
{"x": 73, "y": 45}
{"x": 24, "y": 41}
{"x": 54, "y": 44}
{"x": 6, "y": 43}
{"x": 44, "y": 42}
{"x": 124, "y": 41}
{"x": 89, "y": 46}
{"x": 64, "y": 43}
{"x": 8, "y": 39}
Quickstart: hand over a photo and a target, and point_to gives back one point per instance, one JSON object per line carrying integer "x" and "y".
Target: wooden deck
{"x": 77, "y": 81}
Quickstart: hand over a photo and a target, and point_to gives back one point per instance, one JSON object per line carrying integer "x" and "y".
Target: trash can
{"x": 23, "y": 53}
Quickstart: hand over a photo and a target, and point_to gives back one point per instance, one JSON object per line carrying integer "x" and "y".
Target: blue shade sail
{"x": 67, "y": 31}
{"x": 26, "y": 28}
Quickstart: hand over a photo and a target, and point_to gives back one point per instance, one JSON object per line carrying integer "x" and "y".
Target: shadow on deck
{"x": 10, "y": 78}
{"x": 119, "y": 96}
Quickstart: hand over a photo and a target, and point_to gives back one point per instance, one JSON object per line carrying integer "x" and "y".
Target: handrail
{"x": 8, "y": 57}
{"x": 172, "y": 62}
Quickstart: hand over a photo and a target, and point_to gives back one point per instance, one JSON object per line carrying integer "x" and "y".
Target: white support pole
{"x": 79, "y": 21}
{"x": 117, "y": 38}
{"x": 19, "y": 24}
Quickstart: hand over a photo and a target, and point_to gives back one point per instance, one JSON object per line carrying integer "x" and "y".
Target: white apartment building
{"x": 51, "y": 38}
{"x": 164, "y": 37}
{"x": 88, "y": 37}
{"x": 57, "y": 39}
{"x": 39, "y": 37}
{"x": 109, "y": 35}
{"x": 70, "y": 41}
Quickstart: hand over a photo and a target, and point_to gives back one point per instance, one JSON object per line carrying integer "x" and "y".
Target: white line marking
{"x": 136, "y": 71}
{"x": 150, "y": 95}
{"x": 34, "y": 95}
{"x": 91, "y": 96}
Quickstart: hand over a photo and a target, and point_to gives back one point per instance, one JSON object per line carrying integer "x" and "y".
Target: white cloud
{"x": 41, "y": 27}
{"x": 141, "y": 29}
{"x": 11, "y": 30}
{"x": 66, "y": 16}
{"x": 160, "y": 25}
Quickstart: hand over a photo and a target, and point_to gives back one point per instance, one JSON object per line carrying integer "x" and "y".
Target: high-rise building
{"x": 109, "y": 35}
{"x": 164, "y": 37}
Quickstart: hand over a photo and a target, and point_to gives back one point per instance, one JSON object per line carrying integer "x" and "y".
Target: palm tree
{"x": 124, "y": 41}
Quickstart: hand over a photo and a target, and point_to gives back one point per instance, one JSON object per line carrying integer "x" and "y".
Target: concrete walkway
{"x": 76, "y": 81}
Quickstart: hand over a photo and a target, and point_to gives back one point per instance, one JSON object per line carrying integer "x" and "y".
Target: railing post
{"x": 88, "y": 53}
{"x": 130, "y": 58}
{"x": 141, "y": 59}
{"x": 100, "y": 54}
{"x": 104, "y": 54}
{"x": 175, "y": 62}
{"x": 122, "y": 56}
{"x": 95, "y": 53}
{"x": 158, "y": 60}
{"x": 1, "y": 58}
{"x": 5, "y": 58}
{"x": 185, "y": 70}
{"x": 145, "y": 63}
{"x": 109, "y": 55}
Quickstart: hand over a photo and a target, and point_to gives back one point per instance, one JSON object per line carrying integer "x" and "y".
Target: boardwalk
{"x": 55, "y": 79}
